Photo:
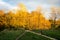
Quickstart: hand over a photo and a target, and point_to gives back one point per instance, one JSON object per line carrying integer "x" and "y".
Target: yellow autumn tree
{"x": 23, "y": 19}
{"x": 9, "y": 19}
{"x": 38, "y": 21}
{"x": 2, "y": 19}
{"x": 21, "y": 16}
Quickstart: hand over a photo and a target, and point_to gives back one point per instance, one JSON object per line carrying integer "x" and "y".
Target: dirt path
{"x": 36, "y": 34}
{"x": 41, "y": 35}
{"x": 20, "y": 35}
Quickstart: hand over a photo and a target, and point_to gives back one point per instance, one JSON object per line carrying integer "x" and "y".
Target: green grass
{"x": 50, "y": 33}
{"x": 37, "y": 31}
{"x": 31, "y": 36}
{"x": 54, "y": 34}
{"x": 10, "y": 34}
{"x": 13, "y": 34}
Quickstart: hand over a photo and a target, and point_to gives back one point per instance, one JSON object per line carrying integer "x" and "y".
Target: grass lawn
{"x": 10, "y": 34}
{"x": 31, "y": 36}
{"x": 54, "y": 33}
{"x": 13, "y": 34}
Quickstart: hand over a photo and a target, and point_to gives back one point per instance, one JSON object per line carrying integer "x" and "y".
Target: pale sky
{"x": 30, "y": 4}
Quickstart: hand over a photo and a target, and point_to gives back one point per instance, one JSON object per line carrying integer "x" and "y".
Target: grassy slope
{"x": 13, "y": 34}
{"x": 31, "y": 36}
{"x": 54, "y": 34}
{"x": 10, "y": 34}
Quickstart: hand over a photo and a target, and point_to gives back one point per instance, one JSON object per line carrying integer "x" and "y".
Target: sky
{"x": 30, "y": 4}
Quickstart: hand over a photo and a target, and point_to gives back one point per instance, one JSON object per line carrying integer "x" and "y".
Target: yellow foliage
{"x": 22, "y": 18}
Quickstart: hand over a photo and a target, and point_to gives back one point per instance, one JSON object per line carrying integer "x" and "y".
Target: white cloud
{"x": 30, "y": 4}
{"x": 0, "y": 0}
{"x": 33, "y": 6}
{"x": 5, "y": 6}
{"x": 53, "y": 1}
